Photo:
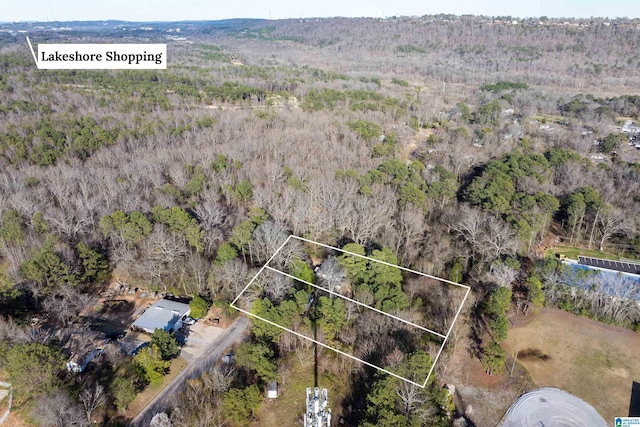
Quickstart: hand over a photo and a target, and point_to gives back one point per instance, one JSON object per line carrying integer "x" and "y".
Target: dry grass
{"x": 15, "y": 421}
{"x": 289, "y": 407}
{"x": 143, "y": 399}
{"x": 594, "y": 361}
{"x": 483, "y": 398}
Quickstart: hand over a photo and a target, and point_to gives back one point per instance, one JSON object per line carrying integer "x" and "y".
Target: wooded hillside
{"x": 464, "y": 146}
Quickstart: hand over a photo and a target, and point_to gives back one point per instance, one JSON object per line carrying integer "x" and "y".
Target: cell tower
{"x": 318, "y": 412}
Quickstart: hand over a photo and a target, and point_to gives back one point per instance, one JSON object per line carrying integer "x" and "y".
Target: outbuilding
{"x": 272, "y": 390}
{"x": 165, "y": 314}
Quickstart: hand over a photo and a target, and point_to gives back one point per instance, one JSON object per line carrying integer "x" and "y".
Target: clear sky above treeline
{"x": 177, "y": 10}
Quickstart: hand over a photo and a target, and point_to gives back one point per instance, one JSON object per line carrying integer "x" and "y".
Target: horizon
{"x": 196, "y": 10}
{"x": 515, "y": 18}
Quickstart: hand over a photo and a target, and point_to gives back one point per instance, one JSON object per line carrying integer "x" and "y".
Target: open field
{"x": 594, "y": 361}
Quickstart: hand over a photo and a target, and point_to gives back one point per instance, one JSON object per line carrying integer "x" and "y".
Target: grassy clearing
{"x": 594, "y": 361}
{"x": 572, "y": 252}
{"x": 550, "y": 118}
{"x": 144, "y": 398}
{"x": 289, "y": 407}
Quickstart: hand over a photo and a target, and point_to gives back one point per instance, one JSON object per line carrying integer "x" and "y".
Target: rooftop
{"x": 162, "y": 315}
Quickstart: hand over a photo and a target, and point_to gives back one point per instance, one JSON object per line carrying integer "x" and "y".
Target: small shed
{"x": 272, "y": 390}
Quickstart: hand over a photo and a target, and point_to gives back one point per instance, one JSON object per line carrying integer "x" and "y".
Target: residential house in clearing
{"x": 164, "y": 314}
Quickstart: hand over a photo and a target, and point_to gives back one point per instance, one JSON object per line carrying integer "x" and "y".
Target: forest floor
{"x": 592, "y": 360}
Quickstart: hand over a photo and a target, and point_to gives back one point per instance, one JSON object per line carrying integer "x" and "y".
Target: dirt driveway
{"x": 591, "y": 360}
{"x": 200, "y": 335}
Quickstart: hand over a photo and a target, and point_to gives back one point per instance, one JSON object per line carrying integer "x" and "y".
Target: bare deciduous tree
{"x": 10, "y": 332}
{"x": 213, "y": 218}
{"x": 331, "y": 274}
{"x": 92, "y": 397}
{"x": 267, "y": 238}
{"x": 411, "y": 397}
{"x": 160, "y": 419}
{"x": 66, "y": 303}
{"x": 275, "y": 285}
{"x": 487, "y": 235}
{"x": 503, "y": 274}
{"x": 611, "y": 223}
{"x": 58, "y": 410}
{"x": 364, "y": 217}
{"x": 113, "y": 353}
{"x": 227, "y": 280}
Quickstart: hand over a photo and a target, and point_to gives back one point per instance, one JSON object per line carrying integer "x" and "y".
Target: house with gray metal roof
{"x": 164, "y": 314}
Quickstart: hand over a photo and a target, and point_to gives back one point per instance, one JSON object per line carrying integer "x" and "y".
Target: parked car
{"x": 189, "y": 321}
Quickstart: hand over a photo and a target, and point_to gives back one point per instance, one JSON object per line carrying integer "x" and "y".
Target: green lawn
{"x": 572, "y": 252}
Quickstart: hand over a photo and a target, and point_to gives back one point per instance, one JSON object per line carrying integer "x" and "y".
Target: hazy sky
{"x": 173, "y": 10}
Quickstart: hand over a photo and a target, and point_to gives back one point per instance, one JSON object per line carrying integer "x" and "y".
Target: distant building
{"x": 630, "y": 128}
{"x": 318, "y": 413}
{"x": 164, "y": 314}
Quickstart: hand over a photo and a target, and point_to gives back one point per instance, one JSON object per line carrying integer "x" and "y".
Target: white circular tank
{"x": 552, "y": 407}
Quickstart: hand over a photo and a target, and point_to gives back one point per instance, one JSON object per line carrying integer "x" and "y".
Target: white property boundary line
{"x": 445, "y": 337}
{"x": 376, "y": 260}
{"x": 257, "y": 274}
{"x": 357, "y": 302}
{"x": 330, "y": 348}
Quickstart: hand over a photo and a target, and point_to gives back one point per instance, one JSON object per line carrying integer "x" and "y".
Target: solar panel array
{"x": 622, "y": 266}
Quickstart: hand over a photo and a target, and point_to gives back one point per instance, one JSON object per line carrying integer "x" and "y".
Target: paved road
{"x": 195, "y": 368}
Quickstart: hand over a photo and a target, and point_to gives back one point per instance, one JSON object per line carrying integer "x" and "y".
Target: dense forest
{"x": 462, "y": 147}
